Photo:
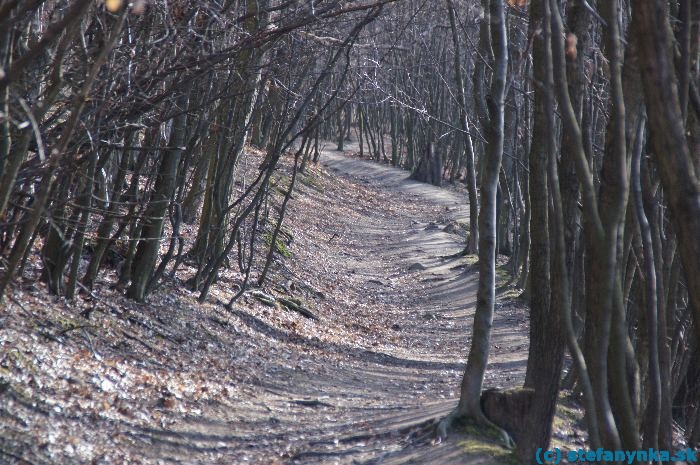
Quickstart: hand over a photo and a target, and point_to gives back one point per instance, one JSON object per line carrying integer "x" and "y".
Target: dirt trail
{"x": 400, "y": 266}
{"x": 175, "y": 381}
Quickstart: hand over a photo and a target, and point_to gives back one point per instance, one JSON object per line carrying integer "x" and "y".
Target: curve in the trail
{"x": 388, "y": 177}
{"x": 389, "y": 248}
{"x": 436, "y": 330}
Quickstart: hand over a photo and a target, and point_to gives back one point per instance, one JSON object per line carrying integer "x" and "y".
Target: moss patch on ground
{"x": 280, "y": 247}
{"x": 476, "y": 446}
{"x": 312, "y": 181}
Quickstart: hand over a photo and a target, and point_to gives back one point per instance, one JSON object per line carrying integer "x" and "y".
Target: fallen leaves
{"x": 210, "y": 386}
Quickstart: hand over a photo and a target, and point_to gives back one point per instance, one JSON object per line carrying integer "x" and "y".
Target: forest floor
{"x": 372, "y": 256}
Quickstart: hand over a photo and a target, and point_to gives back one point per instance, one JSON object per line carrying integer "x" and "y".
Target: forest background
{"x": 573, "y": 126}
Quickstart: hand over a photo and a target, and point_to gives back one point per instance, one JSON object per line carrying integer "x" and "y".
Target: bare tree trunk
{"x": 472, "y": 382}
{"x": 548, "y": 279}
{"x": 341, "y": 129}
{"x": 578, "y": 20}
{"x": 473, "y": 243}
{"x": 653, "y": 408}
{"x": 598, "y": 412}
{"x": 539, "y": 196}
{"x": 147, "y": 252}
{"x": 478, "y": 354}
{"x": 671, "y": 152}
{"x": 613, "y": 196}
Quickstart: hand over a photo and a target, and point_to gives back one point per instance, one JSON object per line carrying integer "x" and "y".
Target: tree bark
{"x": 470, "y": 393}
{"x": 670, "y": 147}
{"x": 152, "y": 231}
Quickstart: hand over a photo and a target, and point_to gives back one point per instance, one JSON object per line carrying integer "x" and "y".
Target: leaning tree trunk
{"x": 470, "y": 394}
{"x": 236, "y": 116}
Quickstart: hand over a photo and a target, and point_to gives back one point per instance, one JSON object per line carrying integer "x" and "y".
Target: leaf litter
{"x": 102, "y": 379}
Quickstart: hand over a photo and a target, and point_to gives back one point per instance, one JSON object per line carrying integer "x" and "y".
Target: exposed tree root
{"x": 478, "y": 419}
{"x": 297, "y": 307}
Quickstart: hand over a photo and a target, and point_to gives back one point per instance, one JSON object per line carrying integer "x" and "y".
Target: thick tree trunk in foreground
{"x": 549, "y": 285}
{"x": 472, "y": 382}
{"x": 539, "y": 196}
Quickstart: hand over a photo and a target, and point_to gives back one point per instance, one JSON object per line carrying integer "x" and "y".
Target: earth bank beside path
{"x": 372, "y": 255}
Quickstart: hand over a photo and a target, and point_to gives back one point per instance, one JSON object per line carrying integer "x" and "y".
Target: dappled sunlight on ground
{"x": 372, "y": 255}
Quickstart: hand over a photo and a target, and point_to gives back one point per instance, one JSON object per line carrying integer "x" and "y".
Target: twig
{"x": 144, "y": 343}
{"x": 311, "y": 403}
{"x": 35, "y": 129}
{"x": 20, "y": 305}
{"x": 90, "y": 346}
{"x": 593, "y": 12}
{"x": 50, "y": 336}
{"x": 72, "y": 328}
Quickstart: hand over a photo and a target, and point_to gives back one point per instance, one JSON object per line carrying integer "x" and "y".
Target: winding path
{"x": 384, "y": 358}
{"x": 175, "y": 381}
{"x": 378, "y": 396}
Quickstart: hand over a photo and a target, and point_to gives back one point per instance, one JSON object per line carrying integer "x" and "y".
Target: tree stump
{"x": 507, "y": 408}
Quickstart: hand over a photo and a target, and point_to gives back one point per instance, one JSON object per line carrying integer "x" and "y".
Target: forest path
{"x": 174, "y": 381}
{"x": 375, "y": 256}
{"x": 393, "y": 242}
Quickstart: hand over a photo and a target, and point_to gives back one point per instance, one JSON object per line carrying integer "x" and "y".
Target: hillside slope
{"x": 370, "y": 256}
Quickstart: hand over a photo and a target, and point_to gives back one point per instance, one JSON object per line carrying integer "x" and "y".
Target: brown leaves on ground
{"x": 105, "y": 380}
